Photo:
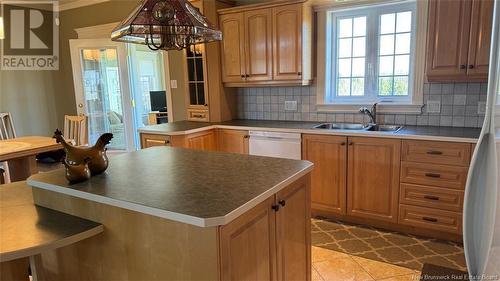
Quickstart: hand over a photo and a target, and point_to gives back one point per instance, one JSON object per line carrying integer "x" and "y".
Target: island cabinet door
{"x": 293, "y": 232}
{"x": 248, "y": 245}
{"x": 373, "y": 178}
{"x": 328, "y": 178}
{"x": 234, "y": 141}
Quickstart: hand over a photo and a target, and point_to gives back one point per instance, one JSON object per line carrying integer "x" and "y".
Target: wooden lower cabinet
{"x": 233, "y": 141}
{"x": 373, "y": 178}
{"x": 150, "y": 140}
{"x": 274, "y": 238}
{"x": 205, "y": 140}
{"x": 328, "y": 179}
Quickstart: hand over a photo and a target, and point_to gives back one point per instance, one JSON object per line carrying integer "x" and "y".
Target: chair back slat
{"x": 7, "y": 130}
{"x": 75, "y": 128}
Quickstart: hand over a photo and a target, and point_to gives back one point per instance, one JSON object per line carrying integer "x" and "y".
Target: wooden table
{"x": 27, "y": 230}
{"x": 20, "y": 154}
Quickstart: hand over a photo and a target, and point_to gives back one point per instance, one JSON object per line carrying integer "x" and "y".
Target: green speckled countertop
{"x": 194, "y": 187}
{"x": 408, "y": 132}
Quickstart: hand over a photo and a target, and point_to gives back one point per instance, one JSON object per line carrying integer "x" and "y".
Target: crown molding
{"x": 78, "y": 3}
{"x": 97, "y": 31}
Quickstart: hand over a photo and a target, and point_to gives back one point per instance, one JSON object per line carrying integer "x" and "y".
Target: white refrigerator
{"x": 482, "y": 195}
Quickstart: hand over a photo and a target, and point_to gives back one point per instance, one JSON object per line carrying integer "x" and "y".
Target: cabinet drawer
{"x": 197, "y": 115}
{"x": 434, "y": 175}
{"x": 432, "y": 197}
{"x": 430, "y": 218}
{"x": 448, "y": 153}
{"x": 150, "y": 140}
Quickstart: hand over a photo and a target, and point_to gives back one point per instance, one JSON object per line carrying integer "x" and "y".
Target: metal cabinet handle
{"x": 243, "y": 76}
{"x": 299, "y": 73}
{"x": 432, "y": 175}
{"x": 351, "y": 143}
{"x": 471, "y": 66}
{"x": 246, "y": 137}
{"x": 167, "y": 142}
{"x": 431, "y": 197}
{"x": 275, "y": 207}
{"x": 463, "y": 66}
{"x": 343, "y": 143}
{"x": 430, "y": 219}
{"x": 435, "y": 152}
{"x": 282, "y": 203}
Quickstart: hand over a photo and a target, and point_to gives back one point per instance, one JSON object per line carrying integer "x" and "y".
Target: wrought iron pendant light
{"x": 166, "y": 25}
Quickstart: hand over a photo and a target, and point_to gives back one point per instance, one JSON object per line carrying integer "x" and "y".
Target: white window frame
{"x": 325, "y": 64}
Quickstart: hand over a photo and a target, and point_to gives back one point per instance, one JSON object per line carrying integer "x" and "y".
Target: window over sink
{"x": 369, "y": 54}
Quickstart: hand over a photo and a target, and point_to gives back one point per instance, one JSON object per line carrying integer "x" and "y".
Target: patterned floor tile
{"x": 320, "y": 254}
{"x": 342, "y": 269}
{"x": 386, "y": 246}
{"x": 380, "y": 270}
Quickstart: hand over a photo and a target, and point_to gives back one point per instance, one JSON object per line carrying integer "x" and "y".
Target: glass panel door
{"x": 102, "y": 95}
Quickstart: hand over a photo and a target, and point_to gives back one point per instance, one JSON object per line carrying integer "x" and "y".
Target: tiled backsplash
{"x": 459, "y": 106}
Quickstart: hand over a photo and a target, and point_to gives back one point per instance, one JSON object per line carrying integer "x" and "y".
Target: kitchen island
{"x": 179, "y": 214}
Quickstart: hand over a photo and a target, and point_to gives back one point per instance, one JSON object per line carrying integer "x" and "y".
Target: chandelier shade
{"x": 166, "y": 25}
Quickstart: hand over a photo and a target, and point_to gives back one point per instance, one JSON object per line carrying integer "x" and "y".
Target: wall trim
{"x": 78, "y": 4}
{"x": 96, "y": 31}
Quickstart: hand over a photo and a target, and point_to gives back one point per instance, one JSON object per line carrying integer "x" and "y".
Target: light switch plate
{"x": 173, "y": 84}
{"x": 433, "y": 106}
{"x": 291, "y": 105}
{"x": 481, "y": 108}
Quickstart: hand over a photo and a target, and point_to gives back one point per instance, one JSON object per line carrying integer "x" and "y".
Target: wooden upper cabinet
{"x": 258, "y": 45}
{"x": 328, "y": 178}
{"x": 448, "y": 38}
{"x": 480, "y": 38}
{"x": 233, "y": 141}
{"x": 373, "y": 178}
{"x": 276, "y": 44}
{"x": 287, "y": 42}
{"x": 233, "y": 48}
{"x": 458, "y": 40}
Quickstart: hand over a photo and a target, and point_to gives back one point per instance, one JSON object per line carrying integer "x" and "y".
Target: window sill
{"x": 381, "y": 108}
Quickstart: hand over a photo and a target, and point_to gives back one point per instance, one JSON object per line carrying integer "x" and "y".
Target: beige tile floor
{"x": 328, "y": 265}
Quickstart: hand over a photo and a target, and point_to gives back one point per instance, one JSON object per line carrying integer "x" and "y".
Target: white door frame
{"x": 76, "y": 45}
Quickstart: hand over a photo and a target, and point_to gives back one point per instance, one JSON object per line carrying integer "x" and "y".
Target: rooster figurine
{"x": 77, "y": 155}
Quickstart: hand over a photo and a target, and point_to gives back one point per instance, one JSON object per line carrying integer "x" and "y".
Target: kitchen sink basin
{"x": 358, "y": 127}
{"x": 384, "y": 128}
{"x": 341, "y": 126}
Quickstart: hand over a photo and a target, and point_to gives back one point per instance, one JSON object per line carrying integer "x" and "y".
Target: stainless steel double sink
{"x": 358, "y": 127}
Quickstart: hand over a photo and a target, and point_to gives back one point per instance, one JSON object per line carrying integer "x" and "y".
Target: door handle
{"x": 275, "y": 207}
{"x": 80, "y": 105}
{"x": 282, "y": 203}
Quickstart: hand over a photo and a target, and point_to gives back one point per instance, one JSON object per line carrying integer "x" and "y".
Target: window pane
{"x": 358, "y": 47}
{"x": 386, "y": 66}
{"x": 385, "y": 86}
{"x": 360, "y": 26}
{"x": 403, "y": 43}
{"x": 345, "y": 48}
{"x": 344, "y": 69}
{"x": 402, "y": 65}
{"x": 401, "y": 85}
{"x": 403, "y": 22}
{"x": 344, "y": 87}
{"x": 387, "y": 44}
{"x": 358, "y": 67}
{"x": 345, "y": 27}
{"x": 387, "y": 23}
{"x": 358, "y": 87}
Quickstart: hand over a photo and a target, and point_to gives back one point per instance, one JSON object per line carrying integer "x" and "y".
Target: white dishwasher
{"x": 275, "y": 144}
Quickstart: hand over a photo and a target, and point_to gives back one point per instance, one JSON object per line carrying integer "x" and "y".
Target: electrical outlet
{"x": 481, "y": 108}
{"x": 291, "y": 105}
{"x": 173, "y": 84}
{"x": 433, "y": 106}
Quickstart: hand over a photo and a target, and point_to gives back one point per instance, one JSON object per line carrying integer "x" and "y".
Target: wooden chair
{"x": 75, "y": 128}
{"x": 7, "y": 130}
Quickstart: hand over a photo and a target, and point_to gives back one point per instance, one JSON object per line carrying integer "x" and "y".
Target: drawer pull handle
{"x": 431, "y": 197}
{"x": 435, "y": 152}
{"x": 432, "y": 175}
{"x": 429, "y": 219}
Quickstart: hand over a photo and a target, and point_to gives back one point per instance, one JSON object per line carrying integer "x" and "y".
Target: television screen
{"x": 158, "y": 101}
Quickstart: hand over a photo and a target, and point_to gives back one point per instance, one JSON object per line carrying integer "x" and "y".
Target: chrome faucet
{"x": 371, "y": 113}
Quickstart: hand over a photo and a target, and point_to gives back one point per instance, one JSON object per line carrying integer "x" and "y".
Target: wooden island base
{"x": 265, "y": 243}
